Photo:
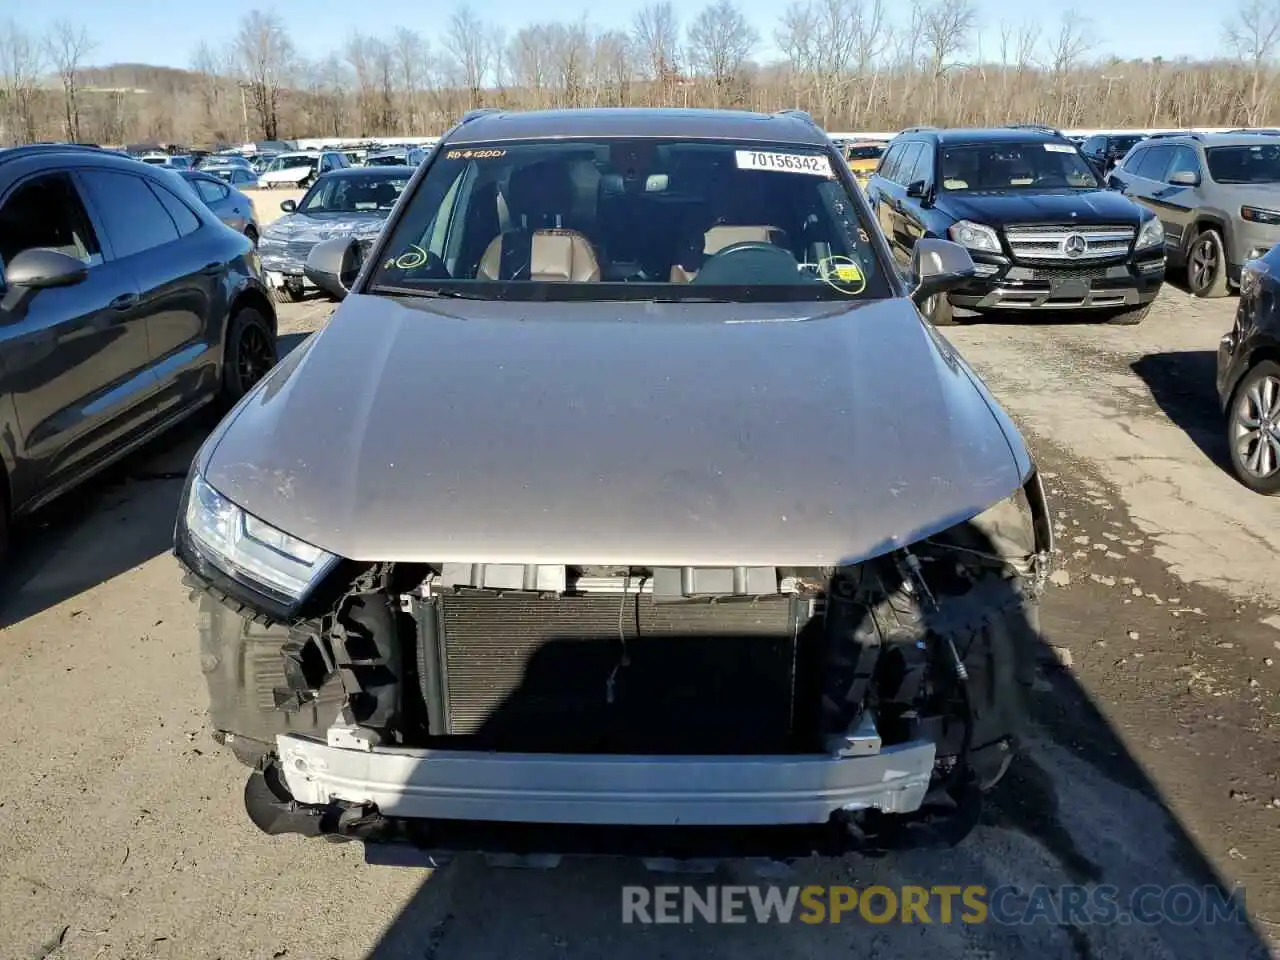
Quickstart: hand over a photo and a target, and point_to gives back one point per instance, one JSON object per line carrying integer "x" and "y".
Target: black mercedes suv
{"x": 1043, "y": 231}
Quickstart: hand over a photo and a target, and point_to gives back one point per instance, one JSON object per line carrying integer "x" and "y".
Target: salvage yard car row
{"x": 529, "y": 608}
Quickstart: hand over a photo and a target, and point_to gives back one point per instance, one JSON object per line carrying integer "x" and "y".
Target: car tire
{"x": 1257, "y": 468}
{"x": 938, "y": 311}
{"x": 251, "y": 351}
{"x": 1207, "y": 265}
{"x": 1130, "y": 316}
{"x": 288, "y": 293}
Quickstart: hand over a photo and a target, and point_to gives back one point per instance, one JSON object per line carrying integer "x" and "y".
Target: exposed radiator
{"x": 524, "y": 673}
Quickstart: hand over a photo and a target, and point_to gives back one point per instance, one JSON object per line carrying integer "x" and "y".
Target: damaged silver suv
{"x": 626, "y": 501}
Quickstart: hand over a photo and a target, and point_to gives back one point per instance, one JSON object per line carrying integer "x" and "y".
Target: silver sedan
{"x": 232, "y": 207}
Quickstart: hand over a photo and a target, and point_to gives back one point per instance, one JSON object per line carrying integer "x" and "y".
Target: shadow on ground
{"x": 118, "y": 520}
{"x": 1183, "y": 385}
{"x": 1076, "y": 809}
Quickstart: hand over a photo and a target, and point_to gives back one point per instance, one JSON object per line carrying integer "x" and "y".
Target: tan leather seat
{"x": 538, "y": 247}
{"x": 554, "y": 255}
{"x": 725, "y": 235}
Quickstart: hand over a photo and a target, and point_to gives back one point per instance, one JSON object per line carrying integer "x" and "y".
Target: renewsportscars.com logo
{"x": 1182, "y": 904}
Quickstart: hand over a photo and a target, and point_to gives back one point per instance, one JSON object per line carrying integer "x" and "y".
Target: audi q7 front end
{"x": 627, "y": 488}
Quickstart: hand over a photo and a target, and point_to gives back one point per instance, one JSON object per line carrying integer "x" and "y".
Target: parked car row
{"x": 126, "y": 305}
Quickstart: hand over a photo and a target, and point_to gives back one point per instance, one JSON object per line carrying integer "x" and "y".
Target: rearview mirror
{"x": 333, "y": 265}
{"x": 289, "y": 206}
{"x": 938, "y": 266}
{"x": 1185, "y": 178}
{"x": 40, "y": 269}
{"x": 918, "y": 189}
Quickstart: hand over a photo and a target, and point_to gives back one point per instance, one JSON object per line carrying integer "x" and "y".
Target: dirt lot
{"x": 1155, "y": 757}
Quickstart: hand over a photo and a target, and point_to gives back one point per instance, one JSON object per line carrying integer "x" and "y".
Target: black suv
{"x": 1043, "y": 231}
{"x": 1105, "y": 150}
{"x": 125, "y": 304}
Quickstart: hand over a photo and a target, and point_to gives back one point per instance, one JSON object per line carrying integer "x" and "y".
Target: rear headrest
{"x": 540, "y": 190}
{"x": 724, "y": 235}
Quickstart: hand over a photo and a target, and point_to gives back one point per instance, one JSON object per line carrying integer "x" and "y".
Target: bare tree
{"x": 470, "y": 47}
{"x": 655, "y": 31}
{"x": 1252, "y": 34}
{"x": 529, "y": 59}
{"x": 21, "y": 62}
{"x": 266, "y": 55}
{"x": 412, "y": 56}
{"x": 720, "y": 41}
{"x": 67, "y": 45}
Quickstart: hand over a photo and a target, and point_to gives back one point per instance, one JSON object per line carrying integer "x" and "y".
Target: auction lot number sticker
{"x": 818, "y": 166}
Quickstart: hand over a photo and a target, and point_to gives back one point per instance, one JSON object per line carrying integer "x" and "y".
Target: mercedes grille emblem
{"x": 1074, "y": 245}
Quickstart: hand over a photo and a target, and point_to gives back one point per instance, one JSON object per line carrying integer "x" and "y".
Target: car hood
{"x": 616, "y": 433}
{"x": 287, "y": 175}
{"x": 1085, "y": 207}
{"x": 302, "y": 226}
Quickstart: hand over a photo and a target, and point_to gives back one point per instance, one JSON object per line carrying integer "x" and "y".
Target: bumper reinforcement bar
{"x": 610, "y": 789}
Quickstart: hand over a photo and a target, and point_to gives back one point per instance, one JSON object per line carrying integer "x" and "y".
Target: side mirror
{"x": 289, "y": 206}
{"x": 333, "y": 265}
{"x": 1185, "y": 178}
{"x": 918, "y": 189}
{"x": 938, "y": 266}
{"x": 39, "y": 269}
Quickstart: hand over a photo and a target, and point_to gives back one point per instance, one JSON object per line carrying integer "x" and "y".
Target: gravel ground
{"x": 1154, "y": 760}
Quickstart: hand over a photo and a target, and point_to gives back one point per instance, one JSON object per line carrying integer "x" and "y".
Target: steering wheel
{"x": 748, "y": 261}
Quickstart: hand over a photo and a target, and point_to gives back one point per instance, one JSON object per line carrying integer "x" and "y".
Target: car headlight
{"x": 1260, "y": 215}
{"x": 1151, "y": 234}
{"x": 248, "y": 549}
{"x": 975, "y": 236}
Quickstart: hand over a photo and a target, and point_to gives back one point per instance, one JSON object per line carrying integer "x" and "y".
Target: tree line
{"x": 852, "y": 64}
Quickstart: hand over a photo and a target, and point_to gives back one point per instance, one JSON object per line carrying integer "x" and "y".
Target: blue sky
{"x": 148, "y": 32}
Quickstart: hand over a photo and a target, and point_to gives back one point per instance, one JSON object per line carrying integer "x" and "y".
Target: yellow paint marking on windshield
{"x": 411, "y": 259}
{"x": 843, "y": 274}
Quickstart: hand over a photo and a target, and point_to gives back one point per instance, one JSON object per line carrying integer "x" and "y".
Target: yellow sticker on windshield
{"x": 474, "y": 154}
{"x": 844, "y": 274}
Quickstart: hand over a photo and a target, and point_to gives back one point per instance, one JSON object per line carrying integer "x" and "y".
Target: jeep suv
{"x": 1217, "y": 196}
{"x": 1042, "y": 230}
{"x": 626, "y": 488}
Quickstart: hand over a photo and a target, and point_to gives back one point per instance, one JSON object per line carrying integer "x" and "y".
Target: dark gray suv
{"x": 125, "y": 305}
{"x": 1218, "y": 196}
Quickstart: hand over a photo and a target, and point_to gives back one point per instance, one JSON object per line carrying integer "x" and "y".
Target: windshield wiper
{"x": 427, "y": 294}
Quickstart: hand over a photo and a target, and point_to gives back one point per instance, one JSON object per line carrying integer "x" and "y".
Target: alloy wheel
{"x": 1202, "y": 267}
{"x": 255, "y": 356}
{"x": 1256, "y": 431}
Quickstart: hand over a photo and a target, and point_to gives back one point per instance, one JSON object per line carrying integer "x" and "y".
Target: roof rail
{"x": 479, "y": 112}
{"x": 1176, "y": 133}
{"x": 1042, "y": 127}
{"x": 31, "y": 149}
{"x": 797, "y": 113}
{"x": 1257, "y": 131}
{"x": 918, "y": 129}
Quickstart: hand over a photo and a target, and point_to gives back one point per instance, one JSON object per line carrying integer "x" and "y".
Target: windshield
{"x": 864, "y": 153}
{"x": 291, "y": 161}
{"x": 349, "y": 194}
{"x": 1122, "y": 145}
{"x": 632, "y": 219}
{"x": 158, "y": 161}
{"x": 387, "y": 160}
{"x": 1015, "y": 166}
{"x": 1258, "y": 163}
